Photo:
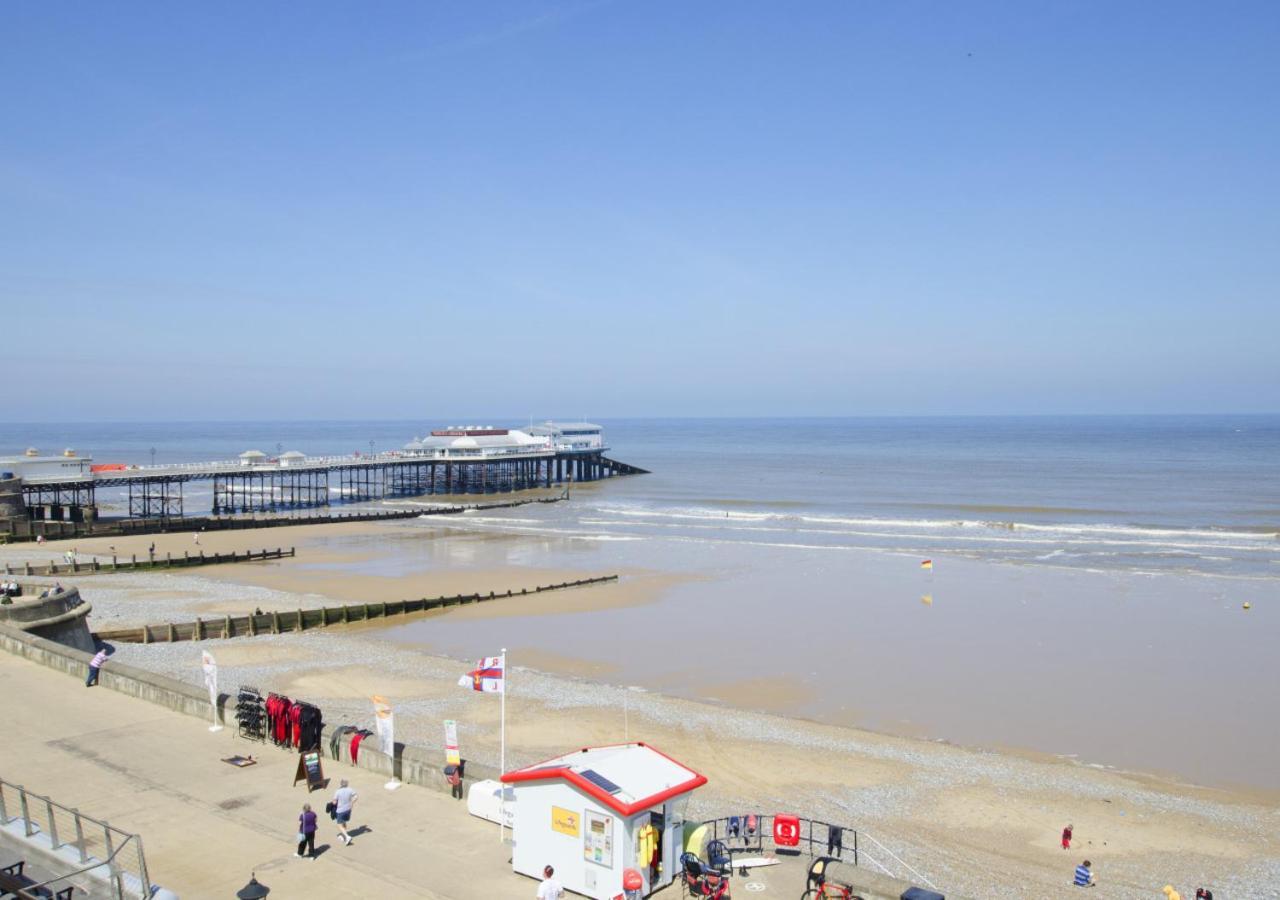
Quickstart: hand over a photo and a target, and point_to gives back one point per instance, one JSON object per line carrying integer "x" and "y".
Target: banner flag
{"x": 210, "y": 666}
{"x": 487, "y": 676}
{"x": 384, "y": 724}
{"x": 452, "y": 756}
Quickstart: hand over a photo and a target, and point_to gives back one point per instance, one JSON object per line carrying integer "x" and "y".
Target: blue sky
{"x": 241, "y": 211}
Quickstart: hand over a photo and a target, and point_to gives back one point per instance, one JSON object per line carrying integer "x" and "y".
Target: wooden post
{"x": 226, "y": 628}
{"x": 146, "y": 634}
{"x": 324, "y": 616}
{"x": 173, "y": 634}
{"x": 197, "y": 632}
{"x": 253, "y": 626}
{"x": 300, "y": 627}
{"x": 344, "y": 615}
{"x": 275, "y": 622}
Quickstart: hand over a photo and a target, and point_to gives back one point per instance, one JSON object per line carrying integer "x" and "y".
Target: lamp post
{"x": 153, "y": 456}
{"x": 253, "y": 890}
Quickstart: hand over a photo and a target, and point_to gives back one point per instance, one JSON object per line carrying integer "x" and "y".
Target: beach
{"x": 1159, "y": 665}
{"x": 973, "y": 817}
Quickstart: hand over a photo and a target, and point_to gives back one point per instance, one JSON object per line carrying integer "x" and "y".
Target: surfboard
{"x": 754, "y": 862}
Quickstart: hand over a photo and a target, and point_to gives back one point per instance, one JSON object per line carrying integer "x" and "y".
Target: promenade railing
{"x": 816, "y": 838}
{"x": 109, "y": 857}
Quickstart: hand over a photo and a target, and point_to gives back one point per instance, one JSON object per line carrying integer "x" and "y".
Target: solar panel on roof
{"x": 600, "y": 781}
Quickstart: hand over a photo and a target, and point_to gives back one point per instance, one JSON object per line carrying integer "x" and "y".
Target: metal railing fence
{"x": 95, "y": 844}
{"x": 816, "y": 838}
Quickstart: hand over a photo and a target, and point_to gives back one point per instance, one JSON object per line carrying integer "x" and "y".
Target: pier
{"x": 457, "y": 460}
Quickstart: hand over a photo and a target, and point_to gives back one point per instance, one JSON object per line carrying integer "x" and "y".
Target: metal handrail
{"x": 29, "y": 890}
{"x": 765, "y": 829}
{"x": 108, "y": 830}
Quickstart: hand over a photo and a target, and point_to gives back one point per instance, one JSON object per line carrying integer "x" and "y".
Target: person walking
{"x": 344, "y": 798}
{"x": 306, "y": 832}
{"x": 1066, "y": 838}
{"x": 550, "y": 888}
{"x": 196, "y": 535}
{"x": 94, "y": 665}
{"x": 1084, "y": 875}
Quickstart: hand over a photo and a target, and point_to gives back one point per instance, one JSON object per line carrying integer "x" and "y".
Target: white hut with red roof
{"x": 597, "y": 812}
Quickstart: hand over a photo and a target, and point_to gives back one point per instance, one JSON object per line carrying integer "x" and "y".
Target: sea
{"x": 1189, "y": 494}
{"x": 1086, "y": 594}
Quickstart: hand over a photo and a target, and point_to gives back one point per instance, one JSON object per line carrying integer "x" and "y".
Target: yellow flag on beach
{"x": 927, "y": 564}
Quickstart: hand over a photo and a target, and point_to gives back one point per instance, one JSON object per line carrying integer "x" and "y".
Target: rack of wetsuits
{"x": 293, "y": 724}
{"x": 251, "y": 718}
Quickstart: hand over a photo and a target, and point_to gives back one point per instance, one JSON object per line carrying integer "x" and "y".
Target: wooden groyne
{"x": 278, "y": 622}
{"x": 29, "y": 530}
{"x": 133, "y": 564}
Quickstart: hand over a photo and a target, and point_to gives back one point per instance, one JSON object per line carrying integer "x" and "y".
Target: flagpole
{"x": 502, "y": 753}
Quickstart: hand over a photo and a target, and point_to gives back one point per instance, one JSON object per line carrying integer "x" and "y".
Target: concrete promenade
{"x": 206, "y": 825}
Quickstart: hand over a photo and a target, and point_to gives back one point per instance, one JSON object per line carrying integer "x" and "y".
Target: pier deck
{"x": 155, "y": 492}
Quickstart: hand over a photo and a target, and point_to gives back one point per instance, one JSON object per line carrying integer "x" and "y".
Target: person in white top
{"x": 550, "y": 889}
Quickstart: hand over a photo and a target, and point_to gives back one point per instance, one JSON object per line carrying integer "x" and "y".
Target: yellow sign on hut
{"x": 565, "y": 821}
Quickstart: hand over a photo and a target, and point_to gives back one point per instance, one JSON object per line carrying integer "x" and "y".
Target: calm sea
{"x": 1196, "y": 494}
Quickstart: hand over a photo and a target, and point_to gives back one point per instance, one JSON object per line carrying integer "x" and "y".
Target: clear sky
{"x": 262, "y": 210}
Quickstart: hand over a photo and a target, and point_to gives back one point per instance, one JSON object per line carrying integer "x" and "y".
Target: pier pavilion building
{"x": 572, "y": 437}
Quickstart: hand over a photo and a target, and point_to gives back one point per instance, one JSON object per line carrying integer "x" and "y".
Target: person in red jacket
{"x": 1066, "y": 838}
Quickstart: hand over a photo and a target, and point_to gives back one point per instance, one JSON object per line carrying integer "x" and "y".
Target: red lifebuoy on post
{"x": 786, "y": 830}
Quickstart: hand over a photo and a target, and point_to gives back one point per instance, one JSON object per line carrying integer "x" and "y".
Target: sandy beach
{"x": 981, "y": 821}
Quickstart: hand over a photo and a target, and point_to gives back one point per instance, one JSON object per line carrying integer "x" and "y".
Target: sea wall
{"x": 61, "y": 616}
{"x": 413, "y": 765}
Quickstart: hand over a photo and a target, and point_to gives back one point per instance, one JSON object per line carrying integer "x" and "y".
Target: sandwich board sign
{"x": 309, "y": 770}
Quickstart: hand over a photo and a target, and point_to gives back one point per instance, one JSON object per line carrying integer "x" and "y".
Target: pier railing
{"x": 278, "y": 622}
{"x": 96, "y": 851}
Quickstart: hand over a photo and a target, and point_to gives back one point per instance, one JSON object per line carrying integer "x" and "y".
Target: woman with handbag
{"x": 306, "y": 832}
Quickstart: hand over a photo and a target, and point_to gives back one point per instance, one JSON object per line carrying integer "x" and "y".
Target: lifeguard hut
{"x": 597, "y": 812}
